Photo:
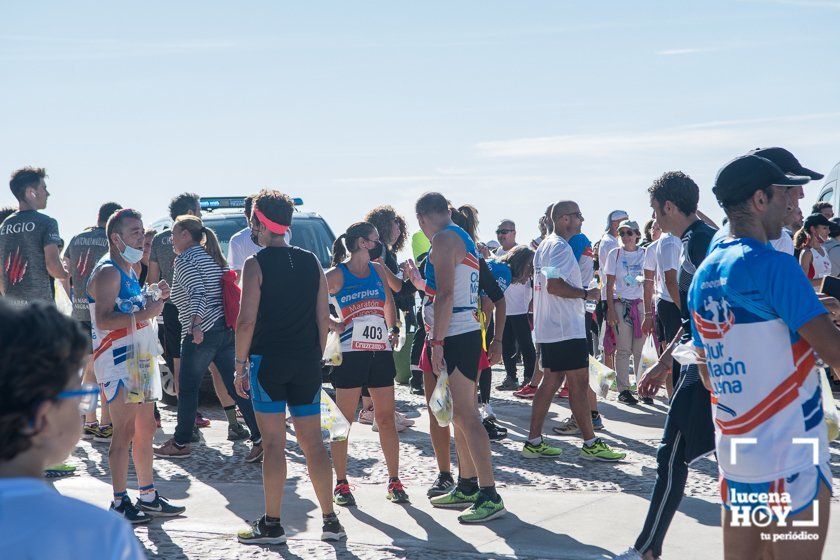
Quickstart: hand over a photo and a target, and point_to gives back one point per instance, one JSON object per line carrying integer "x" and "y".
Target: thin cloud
{"x": 678, "y": 52}
{"x": 694, "y": 137}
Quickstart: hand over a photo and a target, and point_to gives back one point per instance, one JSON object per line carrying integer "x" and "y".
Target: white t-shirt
{"x": 38, "y": 522}
{"x": 650, "y": 266}
{"x": 627, "y": 268}
{"x": 608, "y": 243}
{"x": 518, "y": 298}
{"x": 668, "y": 250}
{"x": 241, "y": 247}
{"x": 556, "y": 318}
{"x": 783, "y": 243}
{"x": 500, "y": 251}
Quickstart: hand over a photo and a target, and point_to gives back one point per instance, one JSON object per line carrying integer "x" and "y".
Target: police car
{"x": 225, "y": 215}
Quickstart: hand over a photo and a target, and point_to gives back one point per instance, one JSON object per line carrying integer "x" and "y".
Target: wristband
{"x": 433, "y": 342}
{"x": 395, "y": 329}
{"x": 240, "y": 362}
{"x": 584, "y": 294}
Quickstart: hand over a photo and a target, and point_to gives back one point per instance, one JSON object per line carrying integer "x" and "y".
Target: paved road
{"x": 564, "y": 508}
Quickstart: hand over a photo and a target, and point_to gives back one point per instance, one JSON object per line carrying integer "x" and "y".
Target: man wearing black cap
{"x": 771, "y": 439}
{"x": 788, "y": 163}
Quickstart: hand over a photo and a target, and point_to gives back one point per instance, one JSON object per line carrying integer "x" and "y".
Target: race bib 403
{"x": 369, "y": 333}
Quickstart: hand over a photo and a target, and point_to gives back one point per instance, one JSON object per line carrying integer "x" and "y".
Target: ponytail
{"x": 466, "y": 217}
{"x": 801, "y": 239}
{"x": 348, "y": 241}
{"x": 211, "y": 245}
{"x": 339, "y": 250}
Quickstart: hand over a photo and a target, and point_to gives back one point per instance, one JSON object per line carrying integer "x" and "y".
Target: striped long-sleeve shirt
{"x": 197, "y": 289}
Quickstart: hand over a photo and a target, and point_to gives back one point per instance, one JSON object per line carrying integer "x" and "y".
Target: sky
{"x": 508, "y": 106}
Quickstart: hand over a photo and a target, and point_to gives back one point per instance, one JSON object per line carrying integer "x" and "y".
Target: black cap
{"x": 741, "y": 177}
{"x": 834, "y": 228}
{"x": 786, "y": 161}
{"x": 815, "y": 220}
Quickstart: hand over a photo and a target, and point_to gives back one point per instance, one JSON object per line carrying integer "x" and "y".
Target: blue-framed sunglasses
{"x": 87, "y": 394}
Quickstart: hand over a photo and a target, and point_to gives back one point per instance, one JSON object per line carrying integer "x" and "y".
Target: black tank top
{"x": 286, "y": 322}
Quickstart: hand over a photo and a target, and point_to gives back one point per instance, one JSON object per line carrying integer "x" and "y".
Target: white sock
{"x": 535, "y": 441}
{"x": 589, "y": 442}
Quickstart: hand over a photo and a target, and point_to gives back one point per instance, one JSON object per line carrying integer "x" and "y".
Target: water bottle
{"x": 152, "y": 291}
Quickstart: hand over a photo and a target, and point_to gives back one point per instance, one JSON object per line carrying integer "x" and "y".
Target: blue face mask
{"x": 130, "y": 254}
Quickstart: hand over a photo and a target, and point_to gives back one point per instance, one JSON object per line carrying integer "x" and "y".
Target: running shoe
{"x": 417, "y": 390}
{"x": 332, "y": 530}
{"x": 647, "y": 400}
{"x": 569, "y": 427}
{"x": 130, "y": 513}
{"x": 494, "y": 432}
{"x": 400, "y": 427}
{"x": 563, "y": 393}
{"x": 443, "y": 485}
{"x": 526, "y": 392}
{"x": 396, "y": 493}
{"x": 542, "y": 449}
{"x": 59, "y": 471}
{"x": 196, "y": 435}
{"x": 455, "y": 499}
{"x": 262, "y": 533}
{"x": 403, "y": 419}
{"x": 201, "y": 421}
{"x": 237, "y": 432}
{"x": 366, "y": 416}
{"x": 159, "y": 507}
{"x": 342, "y": 496}
{"x": 627, "y": 397}
{"x": 483, "y": 510}
{"x": 255, "y": 455}
{"x": 170, "y": 450}
{"x": 90, "y": 430}
{"x": 630, "y": 554}
{"x": 509, "y": 384}
{"x": 104, "y": 435}
{"x": 600, "y": 451}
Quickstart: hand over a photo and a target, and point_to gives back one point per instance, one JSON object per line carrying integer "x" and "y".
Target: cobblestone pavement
{"x": 217, "y": 460}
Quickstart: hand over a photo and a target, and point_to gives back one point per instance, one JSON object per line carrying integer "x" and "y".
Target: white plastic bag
{"x": 62, "y": 300}
{"x": 832, "y": 416}
{"x": 600, "y": 377}
{"x": 686, "y": 354}
{"x": 143, "y": 382}
{"x": 441, "y": 401}
{"x": 332, "y": 351}
{"x": 332, "y": 419}
{"x": 649, "y": 355}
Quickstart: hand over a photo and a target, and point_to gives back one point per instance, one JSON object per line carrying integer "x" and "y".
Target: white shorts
{"x": 111, "y": 388}
{"x": 801, "y": 488}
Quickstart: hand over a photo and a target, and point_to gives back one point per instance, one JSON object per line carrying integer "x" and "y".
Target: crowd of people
{"x": 739, "y": 305}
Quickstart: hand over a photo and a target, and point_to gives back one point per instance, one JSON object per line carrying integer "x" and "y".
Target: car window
{"x": 312, "y": 234}
{"x": 308, "y": 233}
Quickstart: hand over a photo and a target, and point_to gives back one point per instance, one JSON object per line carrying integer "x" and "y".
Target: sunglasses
{"x": 578, "y": 214}
{"x": 625, "y": 233}
{"x": 504, "y": 231}
{"x": 89, "y": 396}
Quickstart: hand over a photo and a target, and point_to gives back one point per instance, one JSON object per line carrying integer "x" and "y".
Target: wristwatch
{"x": 433, "y": 342}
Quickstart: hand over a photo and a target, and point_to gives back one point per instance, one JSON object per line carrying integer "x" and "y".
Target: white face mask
{"x": 130, "y": 254}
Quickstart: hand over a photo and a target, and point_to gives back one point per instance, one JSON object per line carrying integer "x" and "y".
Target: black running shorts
{"x": 281, "y": 381}
{"x": 566, "y": 355}
{"x": 371, "y": 369}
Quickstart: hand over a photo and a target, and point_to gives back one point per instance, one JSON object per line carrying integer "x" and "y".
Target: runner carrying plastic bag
{"x": 332, "y": 419}
{"x": 441, "y": 401}
{"x": 143, "y": 383}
